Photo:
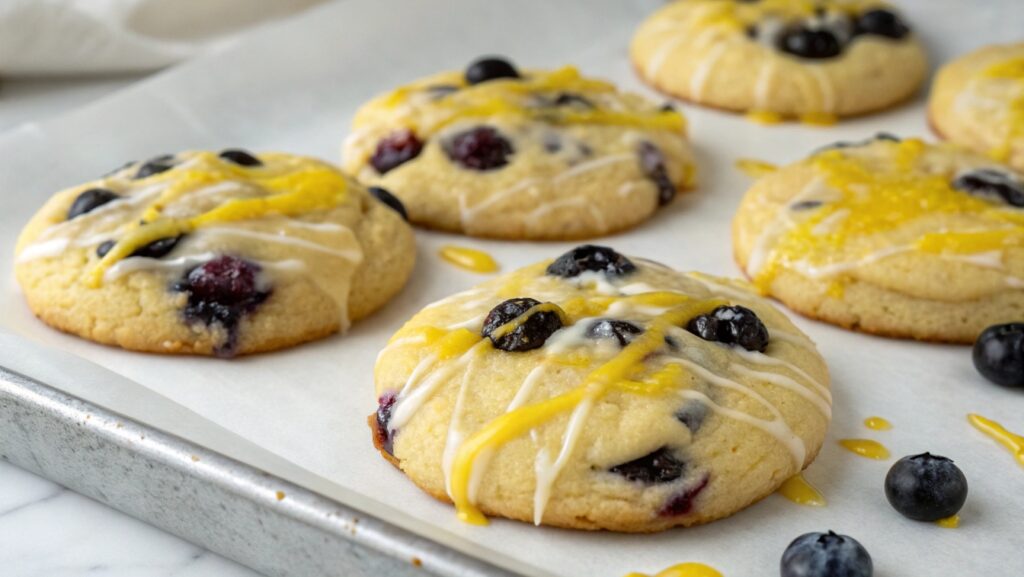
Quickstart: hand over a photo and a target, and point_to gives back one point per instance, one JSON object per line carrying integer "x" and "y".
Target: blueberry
{"x": 681, "y": 503}
{"x": 531, "y": 333}
{"x": 155, "y": 165}
{"x": 805, "y": 205}
{"x": 159, "y": 248}
{"x": 826, "y": 555}
{"x": 591, "y": 257}
{"x": 882, "y": 23}
{"x": 104, "y": 247}
{"x": 926, "y": 487}
{"x": 490, "y": 68}
{"x": 120, "y": 168}
{"x": 622, "y": 331}
{"x": 240, "y": 157}
{"x": 731, "y": 325}
{"x": 385, "y": 407}
{"x": 661, "y": 466}
{"x": 813, "y": 44}
{"x": 439, "y": 91}
{"x": 389, "y": 199}
{"x": 992, "y": 183}
{"x": 90, "y": 200}
{"x": 692, "y": 415}
{"x": 396, "y": 149}
{"x": 653, "y": 164}
{"x": 572, "y": 99}
{"x": 999, "y": 354}
{"x": 480, "y": 148}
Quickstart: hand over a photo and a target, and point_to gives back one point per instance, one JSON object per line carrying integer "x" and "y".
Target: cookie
{"x": 208, "y": 253}
{"x": 599, "y": 391}
{"x": 781, "y": 58}
{"x": 496, "y": 152}
{"x": 977, "y": 101}
{"x": 898, "y": 238}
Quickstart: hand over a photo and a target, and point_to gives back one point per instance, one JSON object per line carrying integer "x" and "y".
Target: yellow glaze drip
{"x": 1012, "y": 441}
{"x": 683, "y": 570}
{"x": 1011, "y": 70}
{"x": 470, "y": 259}
{"x": 798, "y": 490}
{"x": 877, "y": 424}
{"x": 755, "y": 168}
{"x": 866, "y": 448}
{"x": 819, "y": 119}
{"x": 618, "y": 373}
{"x": 949, "y": 522}
{"x": 764, "y": 117}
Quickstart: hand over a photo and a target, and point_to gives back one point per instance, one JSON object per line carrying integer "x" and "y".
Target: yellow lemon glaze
{"x": 819, "y": 118}
{"x": 798, "y": 490}
{"x": 866, "y": 448}
{"x": 764, "y": 117}
{"x": 684, "y": 570}
{"x": 877, "y": 424}
{"x": 755, "y": 168}
{"x": 1011, "y": 70}
{"x": 470, "y": 259}
{"x": 949, "y": 522}
{"x": 1012, "y": 441}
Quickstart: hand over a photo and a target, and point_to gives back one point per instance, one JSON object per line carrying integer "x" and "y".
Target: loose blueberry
{"x": 812, "y": 44}
{"x": 826, "y": 555}
{"x": 480, "y": 148}
{"x": 731, "y": 325}
{"x": 661, "y": 466}
{"x": 240, "y": 157}
{"x": 882, "y": 23}
{"x": 159, "y": 248}
{"x": 590, "y": 257}
{"x": 571, "y": 99}
{"x": 155, "y": 165}
{"x": 622, "y": 331}
{"x": 682, "y": 503}
{"x": 992, "y": 183}
{"x": 531, "y": 333}
{"x": 396, "y": 149}
{"x": 389, "y": 199}
{"x": 653, "y": 163}
{"x": 926, "y": 487}
{"x": 90, "y": 200}
{"x": 490, "y": 68}
{"x": 385, "y": 437}
{"x": 999, "y": 354}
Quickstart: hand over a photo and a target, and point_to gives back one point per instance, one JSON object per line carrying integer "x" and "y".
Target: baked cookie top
{"x": 929, "y": 222}
{"x": 978, "y": 100}
{"x": 179, "y": 253}
{"x": 495, "y": 151}
{"x": 601, "y": 391}
{"x": 781, "y": 58}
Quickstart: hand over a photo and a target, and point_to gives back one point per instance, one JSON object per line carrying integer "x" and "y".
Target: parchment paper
{"x": 301, "y": 413}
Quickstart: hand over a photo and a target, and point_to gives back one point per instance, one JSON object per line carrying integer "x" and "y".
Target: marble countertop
{"x": 45, "y": 529}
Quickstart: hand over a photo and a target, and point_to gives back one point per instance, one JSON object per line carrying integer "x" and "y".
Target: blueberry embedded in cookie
{"x": 776, "y": 59}
{"x": 575, "y": 393}
{"x": 501, "y": 152}
{"x": 213, "y": 253}
{"x": 888, "y": 236}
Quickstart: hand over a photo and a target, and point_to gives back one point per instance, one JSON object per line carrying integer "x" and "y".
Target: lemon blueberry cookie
{"x": 895, "y": 237}
{"x": 498, "y": 152}
{"x": 208, "y": 253}
{"x": 781, "y": 58}
{"x": 977, "y": 101}
{"x": 599, "y": 391}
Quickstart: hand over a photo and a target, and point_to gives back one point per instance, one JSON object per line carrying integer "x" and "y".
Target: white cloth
{"x": 48, "y": 37}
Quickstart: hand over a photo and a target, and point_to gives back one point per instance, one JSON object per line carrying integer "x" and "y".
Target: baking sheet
{"x": 301, "y": 413}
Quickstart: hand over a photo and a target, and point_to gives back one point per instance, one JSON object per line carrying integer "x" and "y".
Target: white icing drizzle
{"x": 354, "y": 255}
{"x": 703, "y": 71}
{"x": 547, "y": 472}
{"x": 763, "y": 86}
{"x": 787, "y": 383}
{"x": 825, "y": 88}
{"x": 657, "y": 60}
{"x": 780, "y": 222}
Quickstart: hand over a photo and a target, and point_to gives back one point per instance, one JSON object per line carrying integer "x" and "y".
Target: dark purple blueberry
{"x": 652, "y": 161}
{"x": 90, "y": 200}
{"x": 857, "y": 143}
{"x": 439, "y": 91}
{"x": 480, "y": 148}
{"x": 240, "y": 157}
{"x": 385, "y": 406}
{"x": 926, "y": 487}
{"x": 622, "y": 331}
{"x": 668, "y": 107}
{"x": 396, "y": 149}
{"x": 880, "y": 22}
{"x": 552, "y": 142}
{"x": 572, "y": 99}
{"x": 104, "y": 247}
{"x": 992, "y": 183}
{"x": 682, "y": 503}
{"x": 826, "y": 555}
{"x": 692, "y": 415}
{"x": 733, "y": 325}
{"x": 591, "y": 257}
{"x": 155, "y": 165}
{"x": 805, "y": 205}
{"x": 159, "y": 248}
{"x": 222, "y": 291}
{"x": 120, "y": 168}
{"x": 999, "y": 354}
{"x": 531, "y": 333}
{"x": 389, "y": 199}
{"x": 812, "y": 44}
{"x": 490, "y": 68}
{"x": 661, "y": 466}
